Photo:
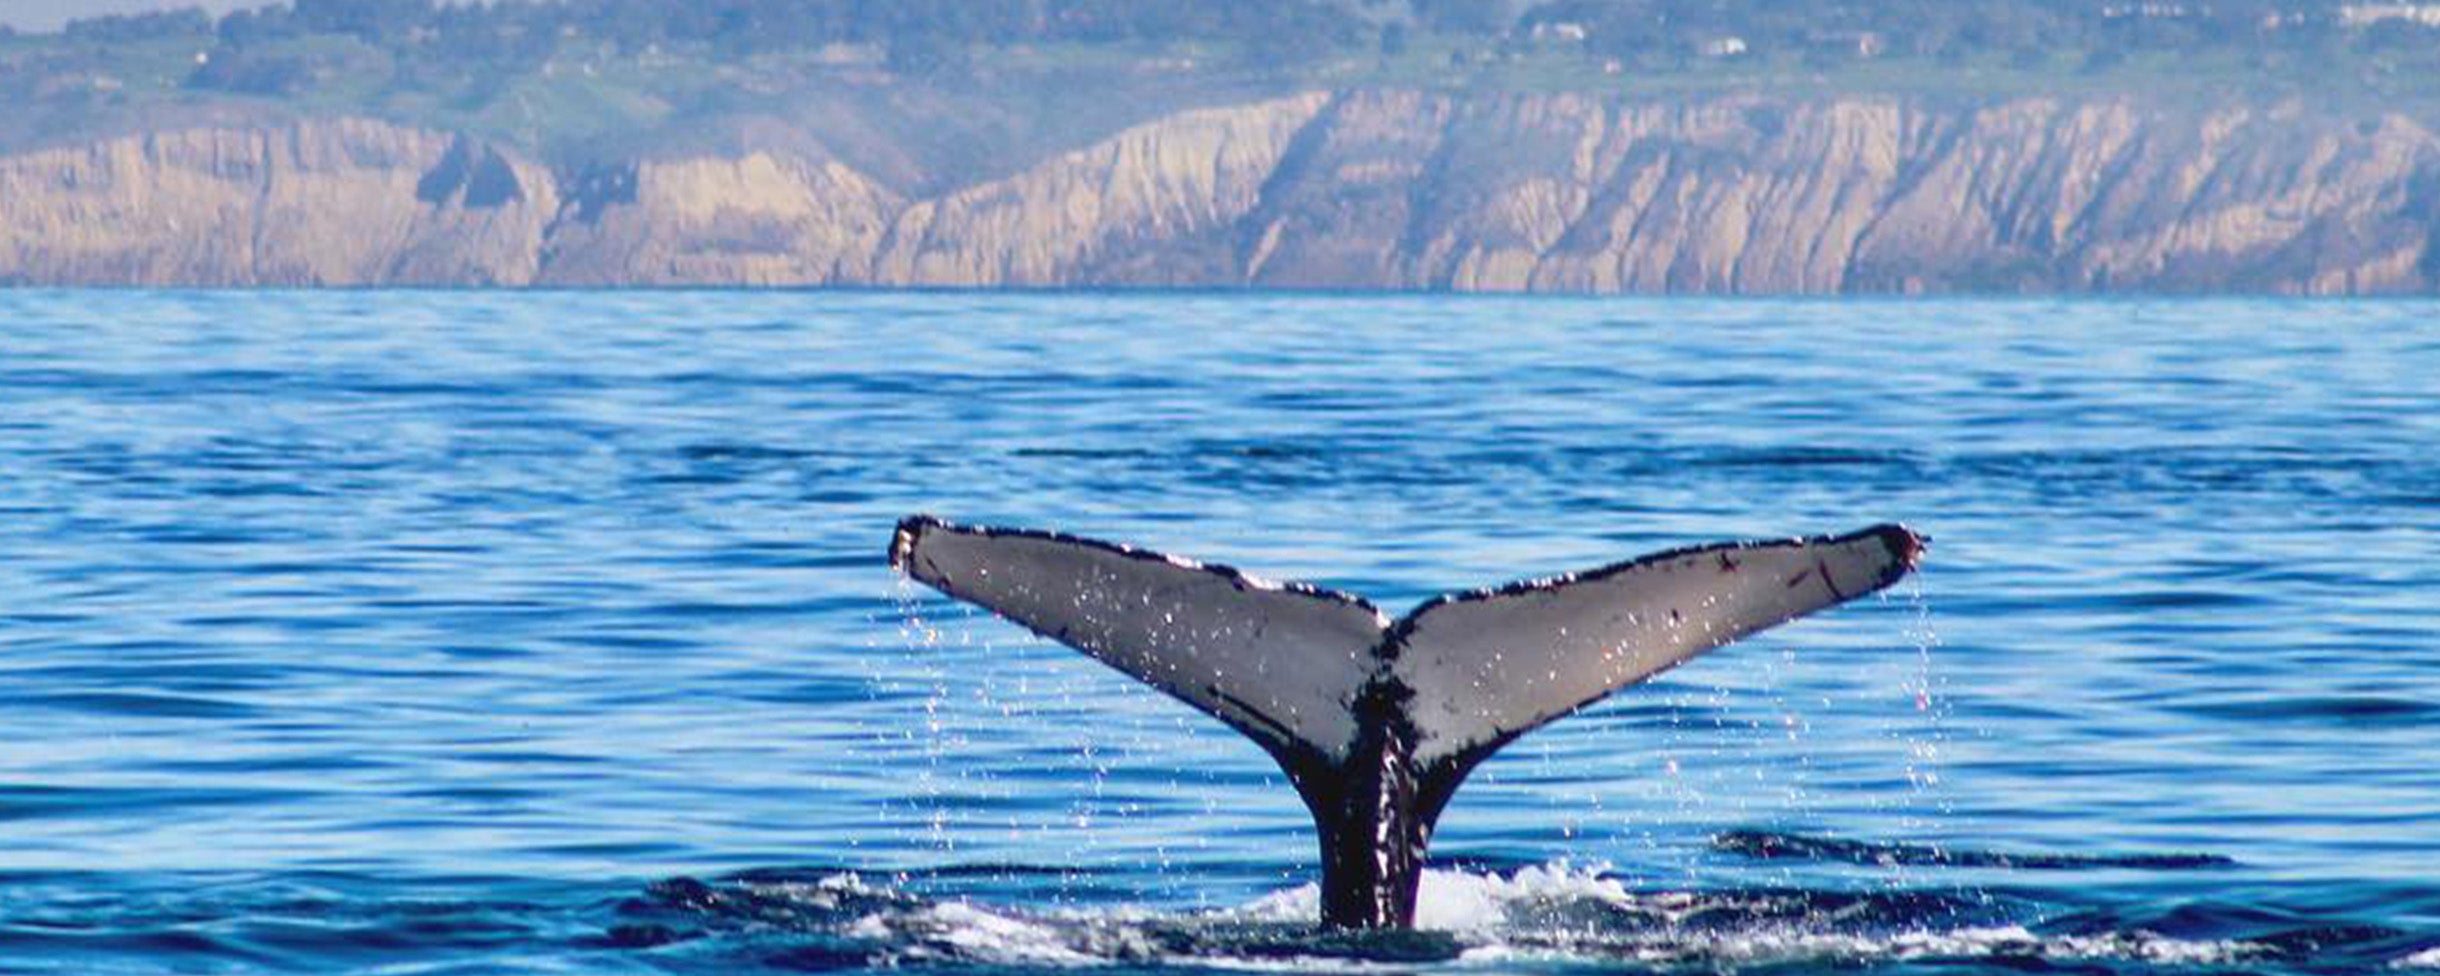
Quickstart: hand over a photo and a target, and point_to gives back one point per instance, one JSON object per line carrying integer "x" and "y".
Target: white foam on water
{"x": 1302, "y": 903}
{"x": 826, "y": 894}
{"x": 1483, "y": 912}
{"x": 2151, "y": 947}
{"x": 1291, "y": 964}
{"x": 989, "y": 937}
{"x": 2015, "y": 940}
{"x": 1456, "y": 901}
{"x": 967, "y": 932}
{"x": 2426, "y": 959}
{"x": 1780, "y": 945}
{"x": 1558, "y": 913}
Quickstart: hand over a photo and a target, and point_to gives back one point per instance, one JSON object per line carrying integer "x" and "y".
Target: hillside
{"x": 1582, "y": 146}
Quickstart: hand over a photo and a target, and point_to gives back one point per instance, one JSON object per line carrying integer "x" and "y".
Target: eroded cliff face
{"x": 762, "y": 219}
{"x": 343, "y": 202}
{"x": 1367, "y": 189}
{"x": 1565, "y": 193}
{"x": 1102, "y": 213}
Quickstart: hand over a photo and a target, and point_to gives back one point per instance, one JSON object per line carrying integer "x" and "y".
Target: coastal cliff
{"x": 1366, "y": 189}
{"x": 341, "y": 202}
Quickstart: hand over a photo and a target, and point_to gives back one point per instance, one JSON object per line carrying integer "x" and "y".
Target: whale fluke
{"x": 1377, "y": 722}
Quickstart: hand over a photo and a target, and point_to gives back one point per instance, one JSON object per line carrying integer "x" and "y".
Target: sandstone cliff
{"x": 345, "y": 202}
{"x": 1363, "y": 189}
{"x": 759, "y": 219}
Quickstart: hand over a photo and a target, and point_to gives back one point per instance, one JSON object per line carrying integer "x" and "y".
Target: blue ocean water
{"x": 430, "y": 632}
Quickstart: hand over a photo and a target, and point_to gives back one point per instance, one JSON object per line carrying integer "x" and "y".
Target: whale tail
{"x": 1377, "y": 721}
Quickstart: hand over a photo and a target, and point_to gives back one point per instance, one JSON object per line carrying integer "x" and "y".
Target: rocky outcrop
{"x": 1365, "y": 189}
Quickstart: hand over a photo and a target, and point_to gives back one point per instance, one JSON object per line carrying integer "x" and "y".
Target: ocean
{"x": 552, "y": 632}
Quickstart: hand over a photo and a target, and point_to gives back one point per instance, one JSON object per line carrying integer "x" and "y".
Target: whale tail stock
{"x": 1377, "y": 721}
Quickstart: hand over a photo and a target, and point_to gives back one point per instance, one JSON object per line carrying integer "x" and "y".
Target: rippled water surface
{"x": 476, "y": 633}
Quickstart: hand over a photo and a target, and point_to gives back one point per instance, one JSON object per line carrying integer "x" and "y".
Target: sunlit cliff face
{"x": 1364, "y": 189}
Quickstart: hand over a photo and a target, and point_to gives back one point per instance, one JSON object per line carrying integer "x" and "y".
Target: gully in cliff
{"x": 1377, "y": 721}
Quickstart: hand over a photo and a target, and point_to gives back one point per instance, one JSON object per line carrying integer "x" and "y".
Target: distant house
{"x": 1727, "y": 46}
